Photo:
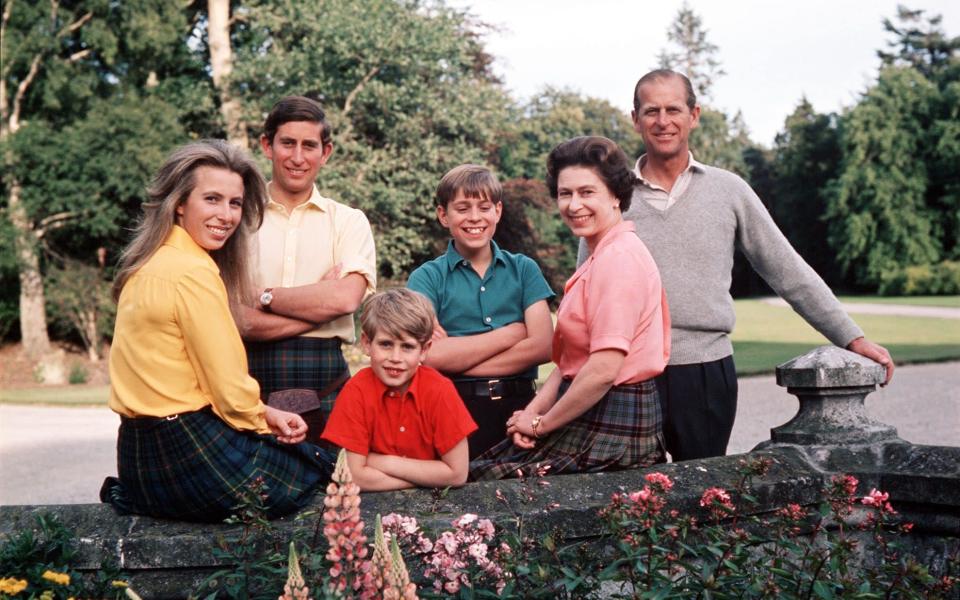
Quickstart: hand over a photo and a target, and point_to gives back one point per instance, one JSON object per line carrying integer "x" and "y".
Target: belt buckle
{"x": 172, "y": 417}
{"x": 491, "y": 383}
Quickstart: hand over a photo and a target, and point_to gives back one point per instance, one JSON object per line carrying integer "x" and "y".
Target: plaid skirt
{"x": 298, "y": 363}
{"x": 195, "y": 467}
{"x": 623, "y": 430}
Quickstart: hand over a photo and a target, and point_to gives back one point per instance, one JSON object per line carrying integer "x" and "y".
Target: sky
{"x": 774, "y": 52}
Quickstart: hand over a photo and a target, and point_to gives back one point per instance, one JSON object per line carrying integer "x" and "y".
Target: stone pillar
{"x": 831, "y": 384}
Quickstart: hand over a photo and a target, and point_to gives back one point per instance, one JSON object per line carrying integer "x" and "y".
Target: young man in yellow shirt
{"x": 315, "y": 262}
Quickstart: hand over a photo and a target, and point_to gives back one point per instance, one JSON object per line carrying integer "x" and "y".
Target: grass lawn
{"x": 946, "y": 301}
{"x": 767, "y": 335}
{"x": 74, "y": 395}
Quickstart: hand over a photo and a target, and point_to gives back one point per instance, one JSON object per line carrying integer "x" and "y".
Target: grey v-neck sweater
{"x": 693, "y": 245}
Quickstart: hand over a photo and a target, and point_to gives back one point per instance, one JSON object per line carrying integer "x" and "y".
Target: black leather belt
{"x": 495, "y": 389}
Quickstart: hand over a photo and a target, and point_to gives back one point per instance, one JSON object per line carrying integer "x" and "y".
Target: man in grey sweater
{"x": 692, "y": 217}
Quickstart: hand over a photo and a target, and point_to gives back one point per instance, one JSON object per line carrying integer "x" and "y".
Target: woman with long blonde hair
{"x": 194, "y": 434}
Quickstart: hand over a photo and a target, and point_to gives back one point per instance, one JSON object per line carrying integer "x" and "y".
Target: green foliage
{"x": 553, "y": 116}
{"x": 79, "y": 297}
{"x": 693, "y": 55}
{"x": 807, "y": 158}
{"x": 878, "y": 214}
{"x": 896, "y": 202}
{"x": 720, "y": 142}
{"x": 920, "y": 280}
{"x": 44, "y": 558}
{"x": 255, "y": 556}
{"x": 407, "y": 91}
{"x": 78, "y": 374}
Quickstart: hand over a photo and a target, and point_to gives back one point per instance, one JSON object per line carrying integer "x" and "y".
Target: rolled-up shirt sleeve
{"x": 355, "y": 250}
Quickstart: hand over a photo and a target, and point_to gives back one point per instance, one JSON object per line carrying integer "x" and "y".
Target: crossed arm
{"x": 505, "y": 350}
{"x": 297, "y": 310}
{"x": 382, "y": 472}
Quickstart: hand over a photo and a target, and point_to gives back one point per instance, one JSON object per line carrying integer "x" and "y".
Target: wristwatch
{"x": 266, "y": 298}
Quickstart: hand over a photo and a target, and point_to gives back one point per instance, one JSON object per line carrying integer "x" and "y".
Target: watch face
{"x": 266, "y": 298}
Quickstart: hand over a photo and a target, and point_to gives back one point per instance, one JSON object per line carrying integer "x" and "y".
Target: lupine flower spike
{"x": 295, "y": 588}
{"x": 379, "y": 564}
{"x": 344, "y": 531}
{"x": 398, "y": 584}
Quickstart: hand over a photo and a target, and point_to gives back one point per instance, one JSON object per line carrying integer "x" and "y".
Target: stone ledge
{"x": 168, "y": 558}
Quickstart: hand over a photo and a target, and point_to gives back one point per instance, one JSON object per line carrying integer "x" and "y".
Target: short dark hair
{"x": 659, "y": 75}
{"x": 474, "y": 181}
{"x": 602, "y": 155}
{"x": 398, "y": 312}
{"x": 296, "y": 108}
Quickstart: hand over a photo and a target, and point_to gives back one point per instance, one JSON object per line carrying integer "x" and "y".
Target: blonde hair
{"x": 171, "y": 187}
{"x": 399, "y": 312}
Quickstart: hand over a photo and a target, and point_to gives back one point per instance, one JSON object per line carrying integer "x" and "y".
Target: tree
{"x": 221, "y": 66}
{"x": 101, "y": 90}
{"x": 719, "y": 140}
{"x": 896, "y": 203}
{"x": 921, "y": 43}
{"x": 692, "y": 55}
{"x": 407, "y": 89}
{"x": 806, "y": 159}
{"x": 878, "y": 215}
{"x": 43, "y": 47}
{"x": 555, "y": 115}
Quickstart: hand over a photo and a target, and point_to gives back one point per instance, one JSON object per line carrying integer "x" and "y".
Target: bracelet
{"x": 535, "y": 426}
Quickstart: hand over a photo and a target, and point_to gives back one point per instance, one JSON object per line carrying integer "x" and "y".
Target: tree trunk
{"x": 33, "y": 312}
{"x": 221, "y": 65}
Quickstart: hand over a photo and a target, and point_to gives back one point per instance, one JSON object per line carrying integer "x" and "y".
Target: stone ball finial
{"x": 830, "y": 367}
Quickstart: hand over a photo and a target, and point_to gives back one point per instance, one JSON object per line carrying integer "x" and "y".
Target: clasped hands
{"x": 520, "y": 428}
{"x": 290, "y": 428}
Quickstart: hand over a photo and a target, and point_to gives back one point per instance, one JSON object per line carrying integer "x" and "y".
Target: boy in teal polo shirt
{"x": 494, "y": 326}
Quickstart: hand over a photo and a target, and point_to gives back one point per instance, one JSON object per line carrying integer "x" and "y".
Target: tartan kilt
{"x": 298, "y": 363}
{"x": 623, "y": 430}
{"x": 195, "y": 467}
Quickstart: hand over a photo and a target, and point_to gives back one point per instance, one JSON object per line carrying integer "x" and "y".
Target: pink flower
{"x": 344, "y": 530}
{"x": 846, "y": 483}
{"x": 477, "y": 550}
{"x": 659, "y": 480}
{"x": 465, "y": 519}
{"x": 875, "y": 498}
{"x": 715, "y": 494}
{"x": 718, "y": 501}
{"x": 793, "y": 512}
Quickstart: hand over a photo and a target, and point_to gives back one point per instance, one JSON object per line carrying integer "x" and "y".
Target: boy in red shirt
{"x": 402, "y": 424}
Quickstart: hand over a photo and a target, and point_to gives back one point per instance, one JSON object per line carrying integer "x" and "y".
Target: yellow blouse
{"x": 175, "y": 346}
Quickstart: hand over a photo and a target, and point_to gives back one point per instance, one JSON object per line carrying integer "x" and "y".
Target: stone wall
{"x": 831, "y": 434}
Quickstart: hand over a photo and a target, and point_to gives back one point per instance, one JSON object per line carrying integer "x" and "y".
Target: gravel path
{"x": 906, "y": 310}
{"x": 57, "y": 455}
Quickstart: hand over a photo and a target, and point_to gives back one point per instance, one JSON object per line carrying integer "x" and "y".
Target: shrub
{"x": 919, "y": 280}
{"x": 78, "y": 374}
{"x": 38, "y": 563}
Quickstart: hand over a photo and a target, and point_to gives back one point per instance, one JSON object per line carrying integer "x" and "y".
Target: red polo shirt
{"x": 425, "y": 423}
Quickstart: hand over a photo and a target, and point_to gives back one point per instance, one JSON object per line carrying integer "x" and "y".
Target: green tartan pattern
{"x": 623, "y": 430}
{"x": 298, "y": 363}
{"x": 195, "y": 467}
